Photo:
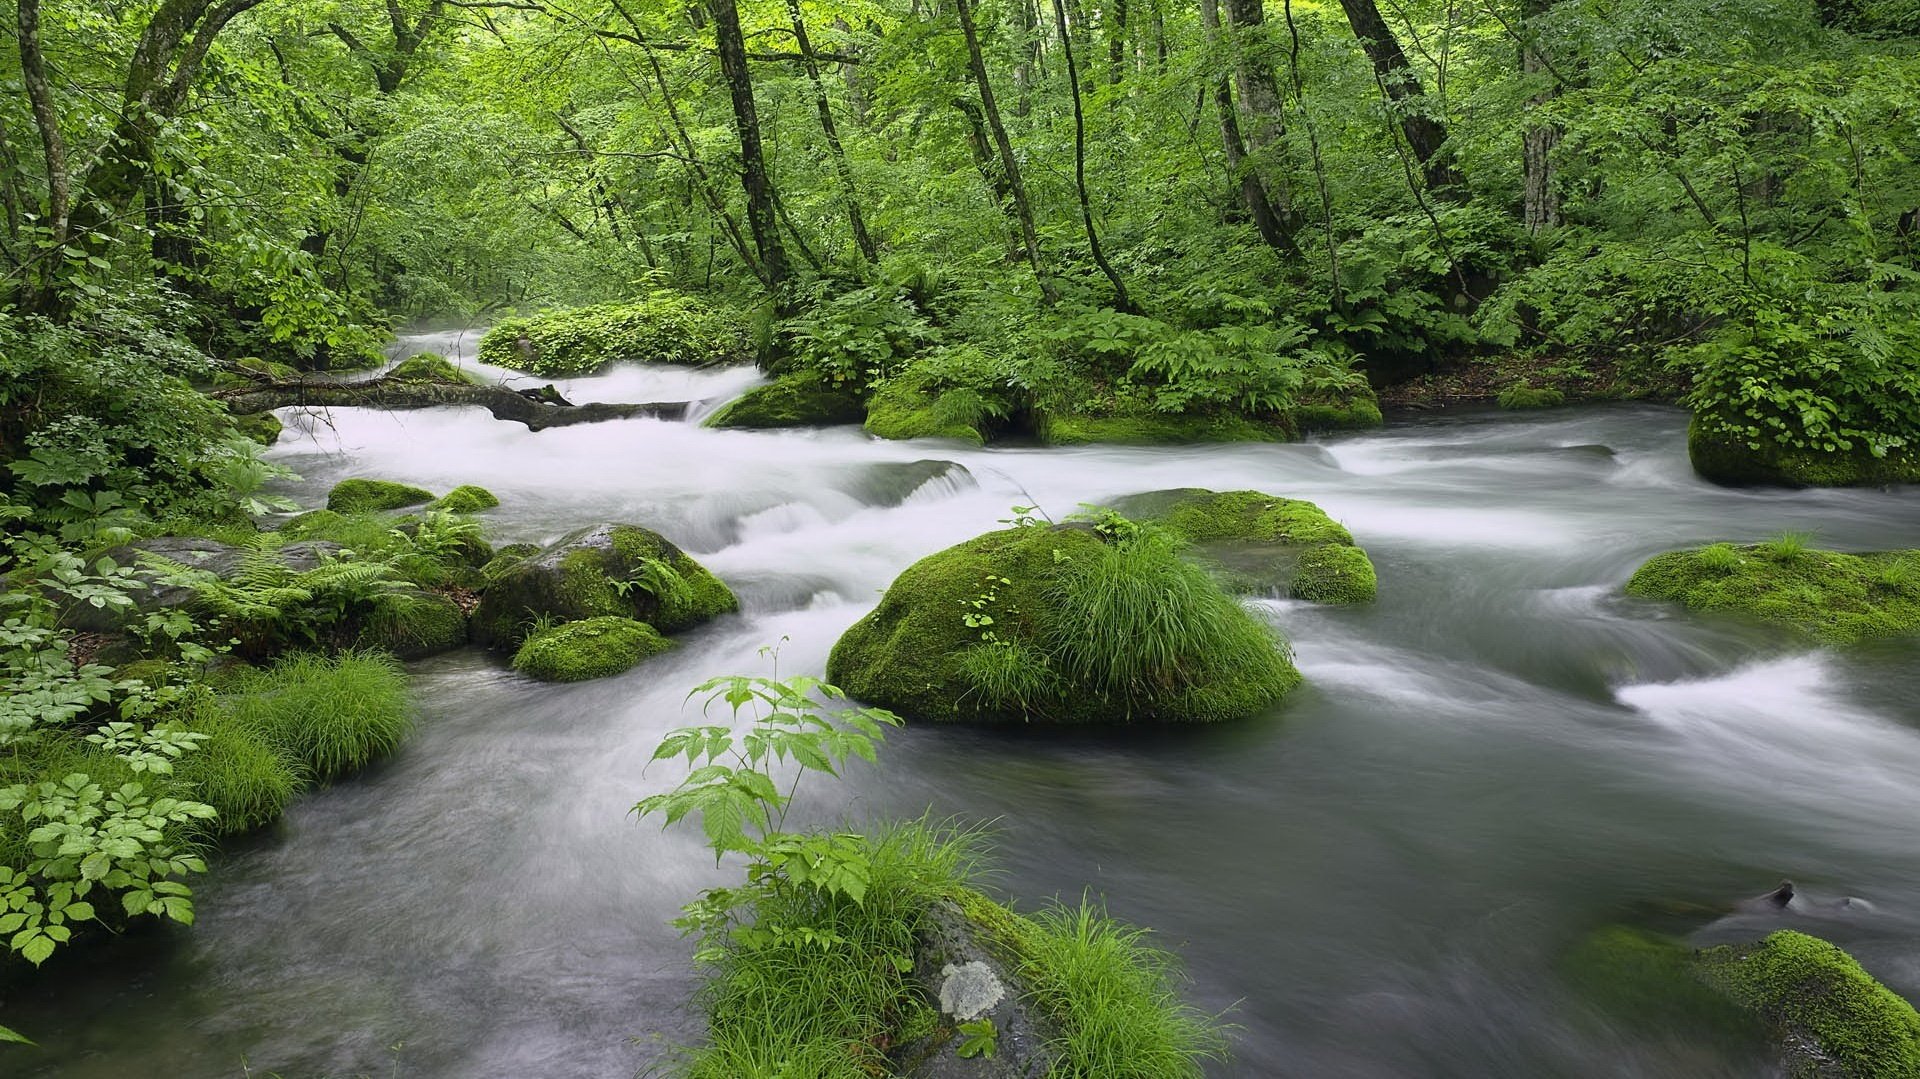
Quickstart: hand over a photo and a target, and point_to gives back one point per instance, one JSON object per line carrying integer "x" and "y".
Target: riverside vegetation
{"x": 1089, "y": 222}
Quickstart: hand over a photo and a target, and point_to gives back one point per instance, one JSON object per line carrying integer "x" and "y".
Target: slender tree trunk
{"x": 841, "y": 170}
{"x": 762, "y": 217}
{"x": 1116, "y": 29}
{"x": 1120, "y": 299}
{"x": 1253, "y": 193}
{"x": 1009, "y": 165}
{"x": 850, "y": 73}
{"x": 1425, "y": 135}
{"x": 1540, "y": 210}
{"x": 1028, "y": 26}
{"x": 46, "y": 117}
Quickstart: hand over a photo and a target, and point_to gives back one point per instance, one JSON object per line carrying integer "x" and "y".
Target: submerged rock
{"x": 797, "y": 400}
{"x": 374, "y": 496}
{"x": 891, "y": 483}
{"x": 1824, "y": 595}
{"x": 607, "y": 570}
{"x": 1256, "y": 542}
{"x": 1063, "y": 624}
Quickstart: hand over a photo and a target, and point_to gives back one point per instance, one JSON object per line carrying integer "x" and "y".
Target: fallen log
{"x": 549, "y": 410}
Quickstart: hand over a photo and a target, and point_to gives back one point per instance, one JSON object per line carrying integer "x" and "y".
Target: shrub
{"x": 593, "y": 648}
{"x": 331, "y": 714}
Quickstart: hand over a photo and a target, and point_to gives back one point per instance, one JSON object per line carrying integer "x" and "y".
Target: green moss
{"x": 594, "y": 648}
{"x": 1259, "y": 542}
{"x": 622, "y": 570}
{"x": 432, "y": 367}
{"x": 902, "y": 410}
{"x": 1334, "y": 574}
{"x": 465, "y": 498}
{"x": 371, "y": 496}
{"x": 506, "y": 558}
{"x": 413, "y": 625}
{"x": 665, "y": 327}
{"x": 1651, "y": 980}
{"x": 262, "y": 427}
{"x": 801, "y": 399}
{"x": 1826, "y": 595}
{"x": 1810, "y": 989}
{"x": 279, "y": 372}
{"x": 1122, "y": 631}
{"x": 362, "y": 533}
{"x": 1158, "y": 429}
{"x": 1725, "y": 458}
{"x": 1358, "y": 409}
{"x": 332, "y": 714}
{"x": 1522, "y": 396}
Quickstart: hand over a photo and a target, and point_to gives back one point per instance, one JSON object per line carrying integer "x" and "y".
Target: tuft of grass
{"x": 331, "y": 714}
{"x": 1010, "y": 675}
{"x": 238, "y": 770}
{"x": 1720, "y": 558}
{"x": 1116, "y": 998}
{"x": 1790, "y": 546}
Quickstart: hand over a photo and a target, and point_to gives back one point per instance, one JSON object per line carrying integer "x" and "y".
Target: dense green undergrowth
{"x": 664, "y": 327}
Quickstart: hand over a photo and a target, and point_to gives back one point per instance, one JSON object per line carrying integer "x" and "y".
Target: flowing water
{"x": 1377, "y": 880}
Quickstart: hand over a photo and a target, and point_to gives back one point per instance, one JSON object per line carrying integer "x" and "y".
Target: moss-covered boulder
{"x": 1521, "y": 396}
{"x": 1065, "y": 624}
{"x": 590, "y": 648}
{"x": 608, "y": 570}
{"x": 372, "y": 496}
{"x": 1353, "y": 410}
{"x": 1832, "y": 1018}
{"x": 262, "y": 427}
{"x": 903, "y": 409}
{"x": 665, "y": 327}
{"x": 801, "y": 399}
{"x": 1257, "y": 542}
{"x": 1727, "y": 458}
{"x": 432, "y": 367}
{"x": 413, "y": 624}
{"x": 465, "y": 498}
{"x": 1828, "y": 596}
{"x": 1160, "y": 429}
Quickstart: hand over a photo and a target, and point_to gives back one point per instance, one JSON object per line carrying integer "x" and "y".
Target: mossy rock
{"x": 801, "y": 399}
{"x": 432, "y": 367}
{"x": 279, "y": 372}
{"x": 373, "y": 496}
{"x": 413, "y": 624}
{"x": 1833, "y": 1018}
{"x": 665, "y": 327}
{"x": 1068, "y": 625}
{"x": 465, "y": 498}
{"x": 1827, "y": 596}
{"x": 262, "y": 427}
{"x": 1736, "y": 461}
{"x": 1158, "y": 429}
{"x": 1520, "y": 396}
{"x": 1651, "y": 980}
{"x": 506, "y": 558}
{"x": 607, "y": 570}
{"x": 1257, "y": 542}
{"x": 1356, "y": 410}
{"x": 901, "y": 410}
{"x": 590, "y": 648}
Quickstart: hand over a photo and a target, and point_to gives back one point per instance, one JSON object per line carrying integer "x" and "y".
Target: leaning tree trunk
{"x": 841, "y": 170}
{"x": 1120, "y": 299}
{"x": 1540, "y": 207}
{"x": 762, "y": 215}
{"x": 1009, "y": 165}
{"x": 1272, "y": 222}
{"x": 1426, "y": 136}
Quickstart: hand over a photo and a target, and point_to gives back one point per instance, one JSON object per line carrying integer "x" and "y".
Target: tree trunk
{"x": 841, "y": 170}
{"x": 1115, "y": 26}
{"x": 1120, "y": 299}
{"x": 1540, "y": 209}
{"x": 1425, "y": 135}
{"x": 850, "y": 72}
{"x": 1009, "y": 165}
{"x": 1275, "y": 230}
{"x": 1260, "y": 93}
{"x": 1029, "y": 28}
{"x": 762, "y": 216}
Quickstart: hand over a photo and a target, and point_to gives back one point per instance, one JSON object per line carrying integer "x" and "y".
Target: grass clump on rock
{"x": 332, "y": 714}
{"x": 1063, "y": 624}
{"x": 374, "y": 496}
{"x": 592, "y": 648}
{"x": 1258, "y": 542}
{"x": 665, "y": 327}
{"x": 802, "y": 399}
{"x": 1828, "y": 596}
{"x": 238, "y": 770}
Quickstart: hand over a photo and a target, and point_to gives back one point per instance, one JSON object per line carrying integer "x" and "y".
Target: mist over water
{"x": 1376, "y": 880}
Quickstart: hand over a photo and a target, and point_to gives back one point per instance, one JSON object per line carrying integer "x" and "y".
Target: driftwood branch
{"x": 538, "y": 413}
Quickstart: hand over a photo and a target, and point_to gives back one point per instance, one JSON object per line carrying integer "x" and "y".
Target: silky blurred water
{"x": 1376, "y": 880}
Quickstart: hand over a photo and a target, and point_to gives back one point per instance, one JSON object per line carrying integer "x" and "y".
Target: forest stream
{"x": 1379, "y": 879}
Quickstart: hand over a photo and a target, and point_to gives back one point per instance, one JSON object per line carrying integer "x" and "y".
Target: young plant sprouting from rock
{"x": 1101, "y": 622}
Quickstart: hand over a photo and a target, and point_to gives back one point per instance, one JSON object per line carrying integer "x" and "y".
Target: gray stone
{"x": 960, "y": 965}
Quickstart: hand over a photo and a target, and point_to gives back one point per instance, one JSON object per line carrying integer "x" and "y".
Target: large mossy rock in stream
{"x": 903, "y": 408}
{"x": 618, "y": 570}
{"x": 1064, "y": 624}
{"x": 157, "y": 591}
{"x": 1735, "y": 461}
{"x": 466, "y": 498}
{"x": 588, "y": 649}
{"x": 665, "y": 327}
{"x": 373, "y": 496}
{"x": 1827, "y": 596}
{"x": 432, "y": 367}
{"x": 1823, "y": 1015}
{"x": 1257, "y": 542}
{"x": 801, "y": 399}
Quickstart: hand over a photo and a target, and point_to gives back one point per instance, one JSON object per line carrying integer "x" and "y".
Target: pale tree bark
{"x": 1253, "y": 192}
{"x": 1540, "y": 205}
